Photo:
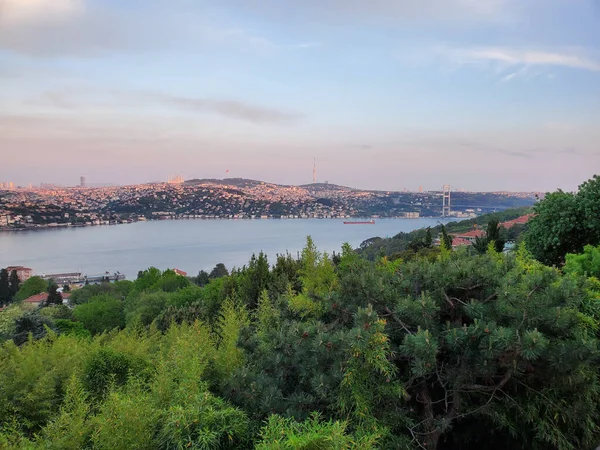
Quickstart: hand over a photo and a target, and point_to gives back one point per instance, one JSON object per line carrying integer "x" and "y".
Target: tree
{"x": 54, "y": 297}
{"x": 588, "y": 199}
{"x": 202, "y": 279}
{"x": 32, "y": 324}
{"x": 492, "y": 235}
{"x": 446, "y": 239}
{"x": 101, "y": 313}
{"x": 31, "y": 286}
{"x": 14, "y": 283}
{"x": 5, "y": 293}
{"x": 428, "y": 238}
{"x": 219, "y": 271}
{"x": 490, "y": 346}
{"x": 564, "y": 223}
{"x": 585, "y": 264}
{"x": 254, "y": 279}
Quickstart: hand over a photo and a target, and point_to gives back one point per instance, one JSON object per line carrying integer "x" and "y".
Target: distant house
{"x": 470, "y": 236}
{"x": 518, "y": 221}
{"x": 180, "y": 272}
{"x": 24, "y": 273}
{"x": 39, "y": 299}
{"x": 460, "y": 242}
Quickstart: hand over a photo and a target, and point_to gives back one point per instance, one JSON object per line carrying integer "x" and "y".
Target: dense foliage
{"x": 565, "y": 222}
{"x": 462, "y": 351}
{"x": 433, "y": 349}
{"x": 418, "y": 243}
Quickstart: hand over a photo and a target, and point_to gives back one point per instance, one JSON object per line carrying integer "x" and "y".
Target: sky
{"x": 386, "y": 94}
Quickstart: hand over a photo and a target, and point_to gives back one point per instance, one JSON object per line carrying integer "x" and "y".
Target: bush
{"x": 34, "y": 378}
{"x": 127, "y": 420}
{"x": 106, "y": 368}
{"x": 8, "y": 317}
{"x": 100, "y": 314}
{"x": 143, "y": 308}
{"x": 206, "y": 422}
{"x": 86, "y": 293}
{"x": 31, "y": 286}
{"x": 70, "y": 328}
{"x": 32, "y": 324}
{"x": 57, "y": 312}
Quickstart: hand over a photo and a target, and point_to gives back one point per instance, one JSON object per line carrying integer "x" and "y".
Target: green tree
{"x": 428, "y": 238}
{"x": 32, "y": 286}
{"x": 480, "y": 337}
{"x": 586, "y": 263}
{"x": 5, "y": 293}
{"x": 202, "y": 279}
{"x": 219, "y": 271}
{"x": 31, "y": 324}
{"x": 54, "y": 297}
{"x": 254, "y": 279}
{"x": 102, "y": 313}
{"x": 15, "y": 284}
{"x": 560, "y": 225}
{"x": 588, "y": 199}
{"x": 492, "y": 235}
{"x": 145, "y": 307}
{"x": 446, "y": 238}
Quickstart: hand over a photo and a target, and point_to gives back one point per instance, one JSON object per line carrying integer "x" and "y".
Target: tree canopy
{"x": 565, "y": 222}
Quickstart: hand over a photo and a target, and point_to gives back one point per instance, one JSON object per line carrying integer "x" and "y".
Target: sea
{"x": 187, "y": 245}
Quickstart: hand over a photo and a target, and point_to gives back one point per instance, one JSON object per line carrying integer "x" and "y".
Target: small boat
{"x": 358, "y": 222}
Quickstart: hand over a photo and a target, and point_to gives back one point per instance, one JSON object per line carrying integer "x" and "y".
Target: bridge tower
{"x": 446, "y": 201}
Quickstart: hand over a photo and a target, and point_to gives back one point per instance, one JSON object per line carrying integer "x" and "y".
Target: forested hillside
{"x": 447, "y": 350}
{"x": 409, "y": 245}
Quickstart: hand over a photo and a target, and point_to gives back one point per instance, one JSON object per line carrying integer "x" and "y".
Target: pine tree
{"x": 446, "y": 239}
{"x": 5, "y": 292}
{"x": 54, "y": 297}
{"x": 428, "y": 238}
{"x": 493, "y": 235}
{"x": 14, "y": 283}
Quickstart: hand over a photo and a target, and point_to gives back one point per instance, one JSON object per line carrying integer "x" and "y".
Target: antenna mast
{"x": 315, "y": 171}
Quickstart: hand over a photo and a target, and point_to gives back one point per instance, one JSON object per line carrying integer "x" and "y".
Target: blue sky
{"x": 386, "y": 94}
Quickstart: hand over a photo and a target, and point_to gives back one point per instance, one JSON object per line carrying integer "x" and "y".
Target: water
{"x": 188, "y": 245}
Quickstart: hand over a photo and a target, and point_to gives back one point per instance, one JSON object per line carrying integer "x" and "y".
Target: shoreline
{"x": 71, "y": 226}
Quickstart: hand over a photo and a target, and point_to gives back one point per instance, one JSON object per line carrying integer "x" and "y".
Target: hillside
{"x": 376, "y": 246}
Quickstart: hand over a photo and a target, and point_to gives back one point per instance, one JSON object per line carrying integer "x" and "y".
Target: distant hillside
{"x": 321, "y": 187}
{"x": 237, "y": 182}
{"x": 376, "y": 246}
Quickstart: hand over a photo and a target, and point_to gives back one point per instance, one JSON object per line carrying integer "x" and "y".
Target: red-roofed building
{"x": 518, "y": 221}
{"x": 24, "y": 273}
{"x": 39, "y": 299}
{"x": 180, "y": 272}
{"x": 470, "y": 236}
{"x": 460, "y": 242}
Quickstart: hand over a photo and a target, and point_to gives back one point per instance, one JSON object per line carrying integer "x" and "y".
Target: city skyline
{"x": 483, "y": 95}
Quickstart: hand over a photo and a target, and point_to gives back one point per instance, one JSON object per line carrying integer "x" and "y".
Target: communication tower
{"x": 446, "y": 201}
{"x": 315, "y": 171}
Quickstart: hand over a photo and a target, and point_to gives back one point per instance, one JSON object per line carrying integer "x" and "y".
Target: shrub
{"x": 100, "y": 314}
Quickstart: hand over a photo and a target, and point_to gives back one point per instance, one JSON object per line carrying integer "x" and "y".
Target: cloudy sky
{"x": 388, "y": 94}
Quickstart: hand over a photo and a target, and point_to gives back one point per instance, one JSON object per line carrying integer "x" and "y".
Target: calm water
{"x": 189, "y": 245}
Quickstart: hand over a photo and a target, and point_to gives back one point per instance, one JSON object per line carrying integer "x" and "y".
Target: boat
{"x": 359, "y": 222}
